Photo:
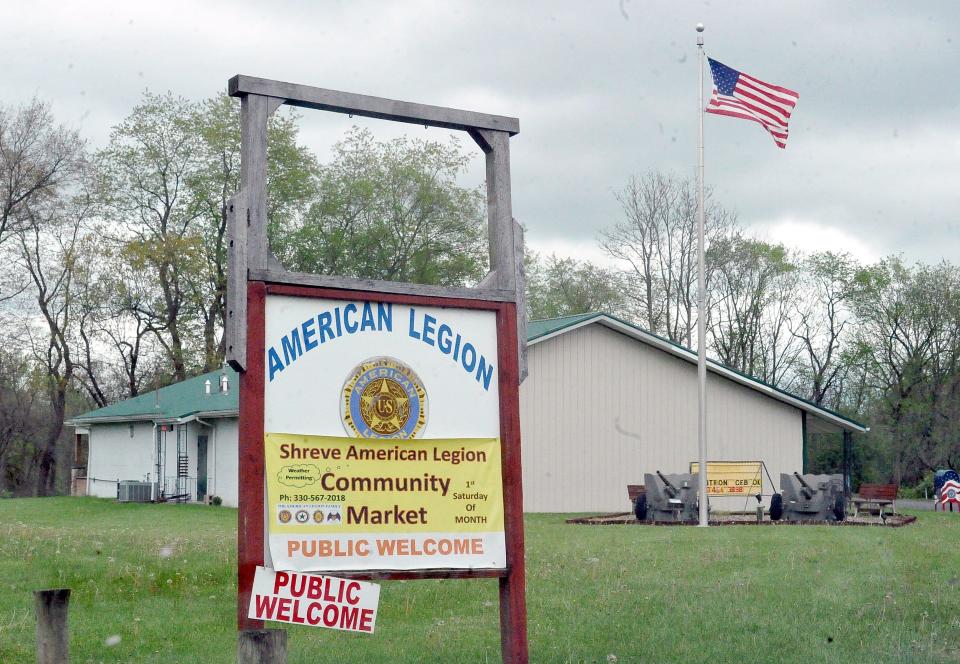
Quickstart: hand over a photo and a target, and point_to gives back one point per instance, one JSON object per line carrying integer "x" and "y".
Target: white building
{"x": 604, "y": 403}
{"x": 184, "y": 434}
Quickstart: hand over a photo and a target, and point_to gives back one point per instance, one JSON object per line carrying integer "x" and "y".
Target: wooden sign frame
{"x": 253, "y": 274}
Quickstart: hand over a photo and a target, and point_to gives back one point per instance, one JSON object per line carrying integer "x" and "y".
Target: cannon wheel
{"x": 640, "y": 507}
{"x": 840, "y": 508}
{"x": 776, "y": 507}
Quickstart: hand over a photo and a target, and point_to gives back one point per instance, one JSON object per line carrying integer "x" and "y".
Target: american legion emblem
{"x": 383, "y": 398}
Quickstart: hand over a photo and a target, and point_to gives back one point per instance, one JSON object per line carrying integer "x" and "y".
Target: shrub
{"x": 924, "y": 488}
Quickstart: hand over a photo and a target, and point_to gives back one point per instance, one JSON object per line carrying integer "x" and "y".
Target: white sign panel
{"x": 310, "y": 599}
{"x": 381, "y": 436}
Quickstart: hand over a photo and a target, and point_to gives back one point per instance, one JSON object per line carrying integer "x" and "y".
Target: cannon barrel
{"x": 672, "y": 490}
{"x": 808, "y": 490}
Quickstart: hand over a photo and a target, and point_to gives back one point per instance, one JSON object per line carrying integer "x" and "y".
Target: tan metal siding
{"x": 600, "y": 409}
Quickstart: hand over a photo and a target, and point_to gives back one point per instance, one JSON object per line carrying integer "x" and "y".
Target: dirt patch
{"x": 627, "y": 519}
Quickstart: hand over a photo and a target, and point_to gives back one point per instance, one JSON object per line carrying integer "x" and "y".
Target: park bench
{"x": 875, "y": 496}
{"x": 634, "y": 490}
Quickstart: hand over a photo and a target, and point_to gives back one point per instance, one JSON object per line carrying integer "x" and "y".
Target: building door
{"x": 201, "y": 468}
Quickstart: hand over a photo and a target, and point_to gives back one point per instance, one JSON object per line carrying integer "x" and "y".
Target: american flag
{"x": 741, "y": 96}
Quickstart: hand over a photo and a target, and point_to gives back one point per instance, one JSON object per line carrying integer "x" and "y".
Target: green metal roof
{"x": 542, "y": 328}
{"x": 172, "y": 402}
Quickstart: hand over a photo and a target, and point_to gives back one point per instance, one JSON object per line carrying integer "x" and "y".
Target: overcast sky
{"x": 602, "y": 90}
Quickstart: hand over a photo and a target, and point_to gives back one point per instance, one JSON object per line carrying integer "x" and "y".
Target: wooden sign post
{"x": 261, "y": 292}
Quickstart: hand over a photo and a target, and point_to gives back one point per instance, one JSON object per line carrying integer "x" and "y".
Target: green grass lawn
{"x": 161, "y": 577}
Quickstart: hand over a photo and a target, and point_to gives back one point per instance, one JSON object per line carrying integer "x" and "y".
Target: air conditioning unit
{"x": 133, "y": 491}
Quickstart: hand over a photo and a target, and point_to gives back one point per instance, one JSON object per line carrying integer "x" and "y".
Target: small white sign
{"x": 311, "y": 599}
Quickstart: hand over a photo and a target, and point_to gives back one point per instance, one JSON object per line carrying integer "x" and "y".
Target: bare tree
{"x": 39, "y": 164}
{"x": 128, "y": 334}
{"x": 657, "y": 242}
{"x": 821, "y": 320}
{"x": 779, "y": 348}
{"x": 646, "y": 202}
{"x": 20, "y": 421}
{"x": 36, "y": 158}
{"x": 51, "y": 254}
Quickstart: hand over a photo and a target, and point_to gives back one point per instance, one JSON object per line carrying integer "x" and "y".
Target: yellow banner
{"x": 732, "y": 478}
{"x": 333, "y": 485}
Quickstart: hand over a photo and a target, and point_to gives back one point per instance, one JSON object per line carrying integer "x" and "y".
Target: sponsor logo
{"x": 383, "y": 398}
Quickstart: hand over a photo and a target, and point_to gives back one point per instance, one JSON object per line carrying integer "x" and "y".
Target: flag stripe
{"x": 746, "y": 90}
{"x": 735, "y": 110}
{"x": 786, "y": 91}
{"x": 774, "y": 98}
{"x": 756, "y": 104}
{"x": 778, "y": 137}
{"x": 733, "y": 103}
{"x": 746, "y": 116}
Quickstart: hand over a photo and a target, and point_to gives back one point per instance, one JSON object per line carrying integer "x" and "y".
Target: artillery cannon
{"x": 809, "y": 498}
{"x": 670, "y": 498}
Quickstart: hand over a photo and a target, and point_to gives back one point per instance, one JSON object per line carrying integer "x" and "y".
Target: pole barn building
{"x": 603, "y": 403}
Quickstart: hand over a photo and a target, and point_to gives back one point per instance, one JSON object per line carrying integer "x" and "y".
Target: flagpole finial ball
{"x": 699, "y": 27}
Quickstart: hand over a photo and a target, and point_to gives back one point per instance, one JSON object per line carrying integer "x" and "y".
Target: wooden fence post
{"x": 53, "y": 640}
{"x": 262, "y": 646}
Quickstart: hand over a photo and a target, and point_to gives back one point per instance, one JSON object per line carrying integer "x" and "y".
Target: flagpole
{"x": 701, "y": 307}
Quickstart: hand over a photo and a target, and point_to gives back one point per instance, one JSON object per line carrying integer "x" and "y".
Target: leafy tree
{"x": 743, "y": 290}
{"x": 126, "y": 331}
{"x": 909, "y": 335}
{"x": 166, "y": 176}
{"x": 144, "y": 173}
{"x": 389, "y": 210}
{"x": 565, "y": 286}
{"x": 104, "y": 294}
{"x": 291, "y": 184}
